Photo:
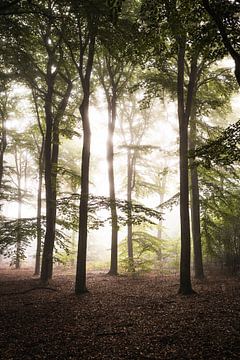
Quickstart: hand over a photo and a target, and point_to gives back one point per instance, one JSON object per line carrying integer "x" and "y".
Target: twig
{"x": 32, "y": 289}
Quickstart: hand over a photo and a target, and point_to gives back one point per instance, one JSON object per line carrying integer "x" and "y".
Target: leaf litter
{"x": 123, "y": 317}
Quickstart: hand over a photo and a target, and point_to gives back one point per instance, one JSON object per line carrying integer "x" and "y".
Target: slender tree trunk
{"x": 110, "y": 158}
{"x": 195, "y": 206}
{"x": 185, "y": 276}
{"x": 51, "y": 152}
{"x": 39, "y": 212}
{"x": 131, "y": 267}
{"x": 185, "y": 272}
{"x": 18, "y": 165}
{"x": 18, "y": 246}
{"x": 80, "y": 285}
{"x": 47, "y": 257}
{"x": 161, "y": 199}
{"x": 39, "y": 193}
{"x": 2, "y": 148}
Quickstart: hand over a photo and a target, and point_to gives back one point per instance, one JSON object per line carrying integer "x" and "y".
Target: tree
{"x": 134, "y": 123}
{"x": 225, "y": 14}
{"x": 7, "y": 103}
{"x": 189, "y": 43}
{"x": 40, "y": 154}
{"x": 85, "y": 19}
{"x": 19, "y": 170}
{"x": 114, "y": 72}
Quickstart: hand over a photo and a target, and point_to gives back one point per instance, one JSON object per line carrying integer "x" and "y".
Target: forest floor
{"x": 124, "y": 317}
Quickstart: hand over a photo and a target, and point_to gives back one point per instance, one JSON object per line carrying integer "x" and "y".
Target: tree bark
{"x": 18, "y": 165}
{"x": 161, "y": 199}
{"x": 183, "y": 116}
{"x": 195, "y": 206}
{"x": 47, "y": 257}
{"x": 131, "y": 267}
{"x": 85, "y": 76}
{"x": 51, "y": 152}
{"x": 2, "y": 147}
{"x": 19, "y": 237}
{"x": 80, "y": 285}
{"x": 110, "y": 158}
{"x": 39, "y": 212}
{"x": 39, "y": 193}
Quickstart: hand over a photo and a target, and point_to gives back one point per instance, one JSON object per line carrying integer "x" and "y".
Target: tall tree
{"x": 186, "y": 27}
{"x": 34, "y": 39}
{"x": 134, "y": 123}
{"x": 114, "y": 74}
{"x": 85, "y": 19}
{"x": 40, "y": 155}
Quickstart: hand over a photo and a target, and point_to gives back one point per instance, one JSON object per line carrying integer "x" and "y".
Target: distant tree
{"x": 7, "y": 104}
{"x": 19, "y": 170}
{"x": 114, "y": 72}
{"x": 134, "y": 123}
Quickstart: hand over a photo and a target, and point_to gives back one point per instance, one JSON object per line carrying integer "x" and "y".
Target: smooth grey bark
{"x": 39, "y": 192}
{"x": 39, "y": 214}
{"x": 51, "y": 152}
{"x": 18, "y": 237}
{"x": 3, "y": 146}
{"x": 195, "y": 205}
{"x": 184, "y": 112}
{"x": 47, "y": 256}
{"x": 112, "y": 105}
{"x": 21, "y": 169}
{"x": 85, "y": 76}
{"x": 162, "y": 189}
{"x": 80, "y": 285}
{"x": 130, "y": 170}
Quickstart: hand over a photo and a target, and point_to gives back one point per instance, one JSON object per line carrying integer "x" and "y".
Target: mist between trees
{"x": 116, "y": 151}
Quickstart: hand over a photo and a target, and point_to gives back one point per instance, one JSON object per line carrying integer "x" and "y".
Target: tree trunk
{"x": 39, "y": 212}
{"x": 18, "y": 246}
{"x": 51, "y": 152}
{"x": 2, "y": 148}
{"x": 185, "y": 273}
{"x": 161, "y": 199}
{"x": 195, "y": 206}
{"x": 47, "y": 257}
{"x": 80, "y": 285}
{"x": 131, "y": 267}
{"x": 18, "y": 165}
{"x": 39, "y": 194}
{"x": 110, "y": 158}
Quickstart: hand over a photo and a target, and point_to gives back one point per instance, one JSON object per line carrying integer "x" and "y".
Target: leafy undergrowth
{"x": 120, "y": 318}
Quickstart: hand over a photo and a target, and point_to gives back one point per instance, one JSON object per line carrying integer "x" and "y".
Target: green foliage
{"x": 27, "y": 227}
{"x": 115, "y": 7}
{"x": 8, "y": 236}
{"x": 222, "y": 151}
{"x": 68, "y": 207}
{"x": 221, "y": 229}
{"x": 146, "y": 249}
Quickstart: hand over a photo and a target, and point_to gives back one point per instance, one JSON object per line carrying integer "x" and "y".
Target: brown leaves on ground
{"x": 120, "y": 318}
